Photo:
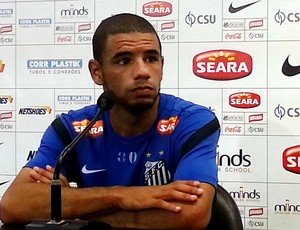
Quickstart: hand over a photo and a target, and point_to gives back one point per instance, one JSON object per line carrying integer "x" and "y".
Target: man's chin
{"x": 141, "y": 106}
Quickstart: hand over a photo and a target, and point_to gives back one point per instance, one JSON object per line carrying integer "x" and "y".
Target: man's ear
{"x": 162, "y": 65}
{"x": 96, "y": 71}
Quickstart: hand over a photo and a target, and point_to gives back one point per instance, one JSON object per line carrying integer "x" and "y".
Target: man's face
{"x": 132, "y": 68}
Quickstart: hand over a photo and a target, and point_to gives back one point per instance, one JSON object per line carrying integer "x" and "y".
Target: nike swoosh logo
{"x": 288, "y": 69}
{"x": 1, "y": 143}
{"x": 2, "y": 183}
{"x": 84, "y": 170}
{"x": 233, "y": 9}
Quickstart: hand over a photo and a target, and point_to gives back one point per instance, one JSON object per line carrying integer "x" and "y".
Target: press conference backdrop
{"x": 240, "y": 58}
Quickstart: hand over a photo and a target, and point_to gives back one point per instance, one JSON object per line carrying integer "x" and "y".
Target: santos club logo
{"x": 291, "y": 159}
{"x": 222, "y": 65}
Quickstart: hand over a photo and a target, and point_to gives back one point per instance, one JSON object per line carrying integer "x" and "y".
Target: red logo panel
{"x": 157, "y": 9}
{"x": 291, "y": 159}
{"x": 244, "y": 100}
{"x": 222, "y": 65}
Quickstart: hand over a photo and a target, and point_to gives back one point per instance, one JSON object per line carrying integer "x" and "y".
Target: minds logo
{"x": 222, "y": 65}
{"x": 236, "y": 163}
{"x": 291, "y": 159}
{"x": 157, "y": 9}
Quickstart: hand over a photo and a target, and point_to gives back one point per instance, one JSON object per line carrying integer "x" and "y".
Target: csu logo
{"x": 222, "y": 65}
{"x": 291, "y": 159}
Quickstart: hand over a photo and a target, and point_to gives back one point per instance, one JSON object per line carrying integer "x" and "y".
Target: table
{"x": 72, "y": 226}
{"x": 11, "y": 227}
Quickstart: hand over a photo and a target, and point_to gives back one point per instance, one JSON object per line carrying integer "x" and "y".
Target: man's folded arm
{"x": 26, "y": 199}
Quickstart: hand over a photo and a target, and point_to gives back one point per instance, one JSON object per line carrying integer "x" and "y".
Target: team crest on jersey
{"x": 95, "y": 131}
{"x": 166, "y": 127}
{"x": 156, "y": 173}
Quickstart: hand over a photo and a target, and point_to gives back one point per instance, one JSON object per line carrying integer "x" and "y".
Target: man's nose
{"x": 141, "y": 69}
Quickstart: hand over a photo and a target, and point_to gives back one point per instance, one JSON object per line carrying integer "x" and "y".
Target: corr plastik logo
{"x": 54, "y": 64}
{"x": 74, "y": 99}
{"x": 221, "y": 65}
{"x": 35, "y": 110}
{"x": 291, "y": 159}
{"x": 95, "y": 131}
{"x": 244, "y": 100}
{"x": 157, "y": 9}
{"x": 166, "y": 127}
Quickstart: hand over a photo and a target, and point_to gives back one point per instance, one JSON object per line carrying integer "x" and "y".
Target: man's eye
{"x": 152, "y": 59}
{"x": 123, "y": 61}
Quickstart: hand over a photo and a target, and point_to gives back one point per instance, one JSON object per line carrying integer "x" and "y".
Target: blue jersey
{"x": 104, "y": 158}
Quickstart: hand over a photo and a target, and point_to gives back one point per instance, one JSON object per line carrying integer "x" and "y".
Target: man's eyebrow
{"x": 120, "y": 54}
{"x": 127, "y": 53}
{"x": 153, "y": 51}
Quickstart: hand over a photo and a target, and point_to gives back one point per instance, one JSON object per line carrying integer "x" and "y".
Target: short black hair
{"x": 116, "y": 24}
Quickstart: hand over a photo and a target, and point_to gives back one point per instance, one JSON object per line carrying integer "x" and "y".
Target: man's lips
{"x": 142, "y": 88}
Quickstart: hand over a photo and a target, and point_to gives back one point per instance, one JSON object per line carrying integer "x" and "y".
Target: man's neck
{"x": 127, "y": 123}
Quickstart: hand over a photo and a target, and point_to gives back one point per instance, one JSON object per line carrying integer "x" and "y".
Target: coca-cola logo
{"x": 64, "y": 39}
{"x": 157, "y": 9}
{"x": 291, "y": 159}
{"x": 244, "y": 100}
{"x": 222, "y": 65}
{"x": 233, "y": 36}
{"x": 233, "y": 129}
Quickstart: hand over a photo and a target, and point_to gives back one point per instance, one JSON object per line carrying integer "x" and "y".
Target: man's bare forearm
{"x": 157, "y": 219}
{"x": 31, "y": 199}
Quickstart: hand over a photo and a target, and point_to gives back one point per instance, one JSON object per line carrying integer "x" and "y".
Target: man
{"x": 131, "y": 175}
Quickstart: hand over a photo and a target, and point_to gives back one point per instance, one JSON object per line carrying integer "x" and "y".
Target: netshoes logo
{"x": 2, "y": 66}
{"x": 291, "y": 159}
{"x": 36, "y": 110}
{"x": 222, "y": 65}
{"x": 4, "y": 99}
{"x": 157, "y": 9}
{"x": 244, "y": 100}
{"x": 166, "y": 127}
{"x": 95, "y": 131}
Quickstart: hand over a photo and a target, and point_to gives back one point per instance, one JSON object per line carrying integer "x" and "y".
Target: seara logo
{"x": 222, "y": 65}
{"x": 244, "y": 100}
{"x": 166, "y": 127}
{"x": 157, "y": 9}
{"x": 95, "y": 131}
{"x": 291, "y": 159}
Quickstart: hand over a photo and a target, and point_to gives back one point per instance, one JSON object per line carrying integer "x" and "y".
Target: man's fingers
{"x": 38, "y": 175}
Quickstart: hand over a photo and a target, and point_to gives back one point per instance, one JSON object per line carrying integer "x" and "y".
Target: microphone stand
{"x": 105, "y": 103}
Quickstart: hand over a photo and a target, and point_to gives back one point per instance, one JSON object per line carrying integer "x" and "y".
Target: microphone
{"x": 105, "y": 102}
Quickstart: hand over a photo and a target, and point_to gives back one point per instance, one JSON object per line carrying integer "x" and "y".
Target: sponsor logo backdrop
{"x": 238, "y": 57}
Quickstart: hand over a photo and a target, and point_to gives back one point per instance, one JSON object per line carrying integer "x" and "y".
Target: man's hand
{"x": 167, "y": 197}
{"x": 41, "y": 175}
{"x": 140, "y": 197}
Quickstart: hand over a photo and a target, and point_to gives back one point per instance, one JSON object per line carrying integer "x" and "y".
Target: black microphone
{"x": 105, "y": 102}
